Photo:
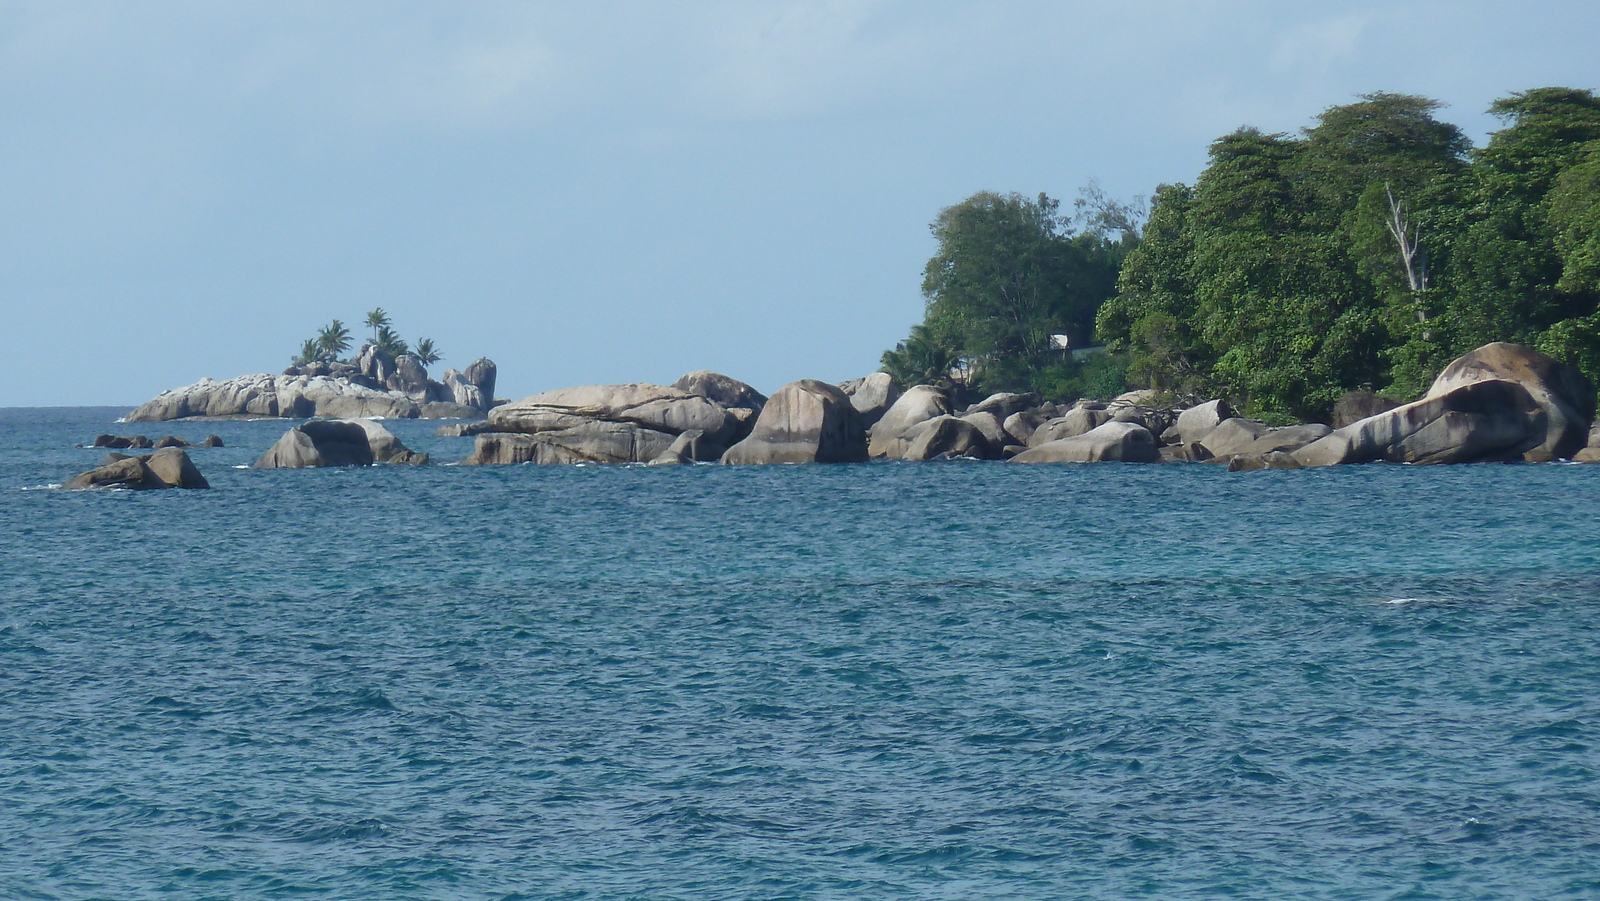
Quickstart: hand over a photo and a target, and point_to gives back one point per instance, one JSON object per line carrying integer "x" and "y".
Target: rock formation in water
{"x": 166, "y": 468}
{"x": 804, "y": 422}
{"x": 374, "y": 385}
{"x": 334, "y": 442}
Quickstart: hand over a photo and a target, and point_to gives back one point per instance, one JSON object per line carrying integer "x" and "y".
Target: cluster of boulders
{"x": 142, "y": 442}
{"x": 166, "y": 468}
{"x": 372, "y": 385}
{"x": 1500, "y": 402}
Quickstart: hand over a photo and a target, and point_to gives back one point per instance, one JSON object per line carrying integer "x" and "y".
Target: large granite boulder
{"x": 1195, "y": 423}
{"x": 993, "y": 430}
{"x": 166, "y": 468}
{"x": 669, "y": 411}
{"x": 1021, "y": 426}
{"x": 464, "y": 393}
{"x": 1234, "y": 435}
{"x": 1285, "y": 440}
{"x": 689, "y": 447}
{"x": 872, "y": 396}
{"x": 804, "y": 422}
{"x": 916, "y": 405}
{"x": 1492, "y": 420}
{"x": 482, "y": 373}
{"x": 320, "y": 442}
{"x": 1563, "y": 392}
{"x": 589, "y": 441}
{"x": 1124, "y": 442}
{"x": 409, "y": 378}
{"x": 725, "y": 390}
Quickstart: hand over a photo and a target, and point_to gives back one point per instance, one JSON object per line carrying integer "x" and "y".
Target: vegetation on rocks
{"x": 1363, "y": 254}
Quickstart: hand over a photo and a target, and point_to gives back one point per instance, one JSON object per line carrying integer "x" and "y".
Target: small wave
{"x": 242, "y": 466}
{"x": 42, "y": 487}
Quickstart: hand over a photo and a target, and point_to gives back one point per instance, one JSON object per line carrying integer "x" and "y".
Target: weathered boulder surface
{"x": 1492, "y": 420}
{"x": 171, "y": 441}
{"x": 1195, "y": 423}
{"x": 1563, "y": 392}
{"x": 1002, "y": 405}
{"x": 590, "y": 441}
{"x": 725, "y": 390}
{"x": 804, "y": 422}
{"x": 1232, "y": 436}
{"x": 668, "y": 411}
{"x": 1021, "y": 426}
{"x": 917, "y": 405}
{"x": 872, "y": 396}
{"x": 1124, "y": 442}
{"x": 166, "y": 468}
{"x": 1080, "y": 420}
{"x": 942, "y": 438}
{"x": 335, "y": 442}
{"x": 1287, "y": 439}
{"x": 993, "y": 431}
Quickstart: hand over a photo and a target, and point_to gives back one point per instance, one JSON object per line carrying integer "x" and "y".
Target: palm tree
{"x": 377, "y": 319}
{"x": 310, "y": 352}
{"x": 388, "y": 340}
{"x": 426, "y": 353}
{"x": 333, "y": 340}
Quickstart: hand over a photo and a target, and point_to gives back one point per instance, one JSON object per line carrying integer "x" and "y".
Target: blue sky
{"x": 608, "y": 192}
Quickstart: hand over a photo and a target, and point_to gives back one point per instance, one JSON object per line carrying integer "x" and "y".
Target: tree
{"x": 425, "y": 352}
{"x": 376, "y": 320}
{"x": 1007, "y": 278}
{"x": 389, "y": 341}
{"x": 333, "y": 340}
{"x": 310, "y": 352}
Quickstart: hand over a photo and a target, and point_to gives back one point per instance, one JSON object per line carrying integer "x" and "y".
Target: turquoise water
{"x": 958, "y": 680}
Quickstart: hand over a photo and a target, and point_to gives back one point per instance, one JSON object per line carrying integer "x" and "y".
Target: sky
{"x": 615, "y": 192}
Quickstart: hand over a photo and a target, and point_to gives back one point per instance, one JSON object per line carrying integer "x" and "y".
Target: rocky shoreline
{"x": 1499, "y": 403}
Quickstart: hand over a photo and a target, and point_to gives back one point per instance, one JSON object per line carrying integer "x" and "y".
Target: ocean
{"x": 922, "y": 681}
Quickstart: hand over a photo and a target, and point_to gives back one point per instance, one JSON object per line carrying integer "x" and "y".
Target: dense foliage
{"x": 1012, "y": 288}
{"x": 1365, "y": 252}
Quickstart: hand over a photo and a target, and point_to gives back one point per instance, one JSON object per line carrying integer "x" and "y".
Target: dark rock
{"x": 166, "y": 468}
{"x": 320, "y": 442}
{"x": 211, "y": 441}
{"x": 171, "y": 441}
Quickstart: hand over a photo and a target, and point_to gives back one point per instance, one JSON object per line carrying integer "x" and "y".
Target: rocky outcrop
{"x": 1125, "y": 442}
{"x": 166, "y": 468}
{"x": 1492, "y": 420}
{"x": 332, "y": 442}
{"x": 1233, "y": 435}
{"x": 589, "y": 441}
{"x": 804, "y": 422}
{"x": 1001, "y": 405}
{"x": 1500, "y": 402}
{"x": 917, "y": 405}
{"x": 376, "y": 386}
{"x": 122, "y": 441}
{"x": 689, "y": 447}
{"x": 1563, "y": 392}
{"x": 1021, "y": 426}
{"x": 667, "y": 411}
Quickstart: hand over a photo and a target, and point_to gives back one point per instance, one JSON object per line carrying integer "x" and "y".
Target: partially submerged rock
{"x": 666, "y": 411}
{"x": 1495, "y": 420}
{"x": 590, "y": 441}
{"x": 333, "y": 442}
{"x": 1563, "y": 392}
{"x": 166, "y": 468}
